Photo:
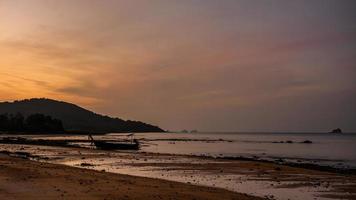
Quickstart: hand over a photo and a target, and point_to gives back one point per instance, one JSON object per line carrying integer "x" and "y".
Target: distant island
{"x": 338, "y": 130}
{"x": 71, "y": 117}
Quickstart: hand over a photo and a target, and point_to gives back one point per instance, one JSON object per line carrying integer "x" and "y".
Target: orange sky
{"x": 208, "y": 65}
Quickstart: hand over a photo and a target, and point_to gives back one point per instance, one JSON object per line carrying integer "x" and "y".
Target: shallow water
{"x": 338, "y": 150}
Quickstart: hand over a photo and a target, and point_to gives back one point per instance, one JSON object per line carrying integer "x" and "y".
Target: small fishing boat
{"x": 120, "y": 145}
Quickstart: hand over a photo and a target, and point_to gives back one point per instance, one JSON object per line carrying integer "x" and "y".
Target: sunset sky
{"x": 211, "y": 65}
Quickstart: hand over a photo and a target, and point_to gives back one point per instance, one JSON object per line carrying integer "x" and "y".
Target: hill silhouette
{"x": 75, "y": 118}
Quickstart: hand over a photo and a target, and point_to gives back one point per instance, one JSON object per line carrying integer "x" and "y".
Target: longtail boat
{"x": 120, "y": 145}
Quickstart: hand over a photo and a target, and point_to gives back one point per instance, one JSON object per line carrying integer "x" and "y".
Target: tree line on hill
{"x": 30, "y": 124}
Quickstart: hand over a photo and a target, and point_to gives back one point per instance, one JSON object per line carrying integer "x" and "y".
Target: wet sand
{"x": 26, "y": 179}
{"x": 264, "y": 179}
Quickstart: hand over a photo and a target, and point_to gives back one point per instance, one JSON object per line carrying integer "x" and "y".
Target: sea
{"x": 326, "y": 149}
{"x": 337, "y": 150}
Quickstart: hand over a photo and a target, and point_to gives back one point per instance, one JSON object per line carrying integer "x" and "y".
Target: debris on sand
{"x": 86, "y": 165}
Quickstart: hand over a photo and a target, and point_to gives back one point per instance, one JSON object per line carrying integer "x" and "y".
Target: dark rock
{"x": 338, "y": 130}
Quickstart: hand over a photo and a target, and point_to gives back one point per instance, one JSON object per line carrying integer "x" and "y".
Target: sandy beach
{"x": 25, "y": 179}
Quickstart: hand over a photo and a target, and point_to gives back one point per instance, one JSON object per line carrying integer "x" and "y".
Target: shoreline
{"x": 26, "y": 179}
{"x": 277, "y": 160}
{"x": 241, "y": 176}
{"x": 310, "y": 166}
{"x": 282, "y": 162}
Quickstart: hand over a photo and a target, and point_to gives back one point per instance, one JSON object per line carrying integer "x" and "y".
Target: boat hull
{"x": 116, "y": 146}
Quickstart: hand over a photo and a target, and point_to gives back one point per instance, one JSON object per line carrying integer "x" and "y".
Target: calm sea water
{"x": 338, "y": 150}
